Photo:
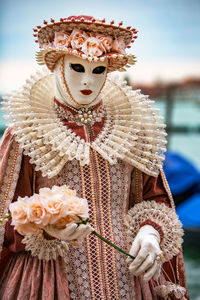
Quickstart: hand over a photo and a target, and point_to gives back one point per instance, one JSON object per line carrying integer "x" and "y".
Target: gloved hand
{"x": 71, "y": 232}
{"x": 146, "y": 250}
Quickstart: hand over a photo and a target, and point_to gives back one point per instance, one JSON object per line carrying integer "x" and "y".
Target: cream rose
{"x": 45, "y": 192}
{"x": 79, "y": 207}
{"x": 37, "y": 213}
{"x": 119, "y": 45}
{"x": 91, "y": 47}
{"x": 54, "y": 205}
{"x": 20, "y": 211}
{"x": 64, "y": 189}
{"x": 77, "y": 38}
{"x": 61, "y": 40}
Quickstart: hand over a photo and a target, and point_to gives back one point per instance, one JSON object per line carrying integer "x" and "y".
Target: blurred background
{"x": 168, "y": 69}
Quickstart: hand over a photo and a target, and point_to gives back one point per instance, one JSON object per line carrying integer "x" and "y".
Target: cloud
{"x": 166, "y": 71}
{"x": 14, "y": 73}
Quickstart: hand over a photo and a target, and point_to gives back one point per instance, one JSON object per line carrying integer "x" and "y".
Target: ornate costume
{"x": 111, "y": 153}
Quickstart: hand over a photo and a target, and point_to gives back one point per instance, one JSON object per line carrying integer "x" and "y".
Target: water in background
{"x": 185, "y": 113}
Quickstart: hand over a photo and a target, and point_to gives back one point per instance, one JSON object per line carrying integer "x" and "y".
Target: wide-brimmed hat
{"x": 85, "y": 37}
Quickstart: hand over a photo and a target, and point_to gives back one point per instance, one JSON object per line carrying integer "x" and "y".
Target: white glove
{"x": 146, "y": 250}
{"x": 71, "y": 232}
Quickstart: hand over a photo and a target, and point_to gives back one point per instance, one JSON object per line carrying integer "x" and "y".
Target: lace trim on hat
{"x": 43, "y": 248}
{"x": 115, "y": 61}
{"x": 132, "y": 129}
{"x": 162, "y": 215}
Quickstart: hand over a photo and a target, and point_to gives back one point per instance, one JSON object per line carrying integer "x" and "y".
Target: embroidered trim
{"x": 132, "y": 130}
{"x": 87, "y": 241}
{"x": 110, "y": 226}
{"x": 167, "y": 188}
{"x": 104, "y": 247}
{"x": 98, "y": 242}
{"x": 43, "y": 248}
{"x": 162, "y": 215}
{"x": 10, "y": 179}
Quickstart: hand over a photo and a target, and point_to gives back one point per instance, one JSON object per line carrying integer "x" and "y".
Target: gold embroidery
{"x": 166, "y": 185}
{"x": 10, "y": 181}
{"x": 95, "y": 225}
{"x": 137, "y": 186}
{"x": 34, "y": 180}
{"x": 87, "y": 240}
{"x": 102, "y": 225}
{"x": 110, "y": 224}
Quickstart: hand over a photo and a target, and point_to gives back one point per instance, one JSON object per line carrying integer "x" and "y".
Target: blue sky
{"x": 168, "y": 29}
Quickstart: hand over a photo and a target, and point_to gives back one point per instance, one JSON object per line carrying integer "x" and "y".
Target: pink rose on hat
{"x": 77, "y": 39}
{"x": 91, "y": 47}
{"x": 119, "y": 45}
{"x": 105, "y": 43}
{"x": 61, "y": 40}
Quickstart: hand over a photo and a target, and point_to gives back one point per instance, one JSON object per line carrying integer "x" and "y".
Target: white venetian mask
{"x": 78, "y": 81}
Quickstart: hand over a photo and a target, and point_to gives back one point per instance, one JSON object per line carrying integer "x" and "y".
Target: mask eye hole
{"x": 77, "y": 68}
{"x": 99, "y": 70}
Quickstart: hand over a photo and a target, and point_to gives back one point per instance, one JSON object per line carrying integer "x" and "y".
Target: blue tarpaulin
{"x": 189, "y": 212}
{"x": 181, "y": 174}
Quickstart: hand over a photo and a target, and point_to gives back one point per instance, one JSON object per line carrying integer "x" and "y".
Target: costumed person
{"x": 79, "y": 126}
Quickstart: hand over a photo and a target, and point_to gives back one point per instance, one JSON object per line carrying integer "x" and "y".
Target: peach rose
{"x": 64, "y": 189}
{"x": 105, "y": 43}
{"x": 54, "y": 206}
{"x": 45, "y": 192}
{"x": 37, "y": 213}
{"x": 77, "y": 38}
{"x": 27, "y": 228}
{"x": 119, "y": 45}
{"x": 79, "y": 207}
{"x": 91, "y": 47}
{"x": 19, "y": 211}
{"x": 61, "y": 40}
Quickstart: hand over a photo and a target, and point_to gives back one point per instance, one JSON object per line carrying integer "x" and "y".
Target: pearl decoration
{"x": 84, "y": 115}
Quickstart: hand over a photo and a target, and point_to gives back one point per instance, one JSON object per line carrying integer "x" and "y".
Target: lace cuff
{"x": 164, "y": 217}
{"x": 43, "y": 248}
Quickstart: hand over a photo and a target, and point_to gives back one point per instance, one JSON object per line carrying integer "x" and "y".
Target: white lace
{"x": 43, "y": 248}
{"x": 162, "y": 215}
{"x": 132, "y": 130}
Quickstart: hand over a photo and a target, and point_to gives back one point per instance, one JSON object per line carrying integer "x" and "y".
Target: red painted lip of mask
{"x": 86, "y": 92}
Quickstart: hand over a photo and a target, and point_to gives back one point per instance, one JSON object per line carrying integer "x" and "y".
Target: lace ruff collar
{"x": 132, "y": 130}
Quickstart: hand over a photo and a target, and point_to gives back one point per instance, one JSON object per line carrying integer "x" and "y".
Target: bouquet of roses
{"x": 58, "y": 206}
